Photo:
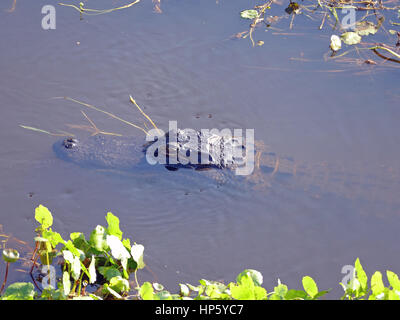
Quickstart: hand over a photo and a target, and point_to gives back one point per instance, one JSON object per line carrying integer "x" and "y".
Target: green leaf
{"x": 158, "y": 286}
{"x": 162, "y": 295}
{"x": 118, "y": 250}
{"x": 310, "y": 286}
{"x": 351, "y": 38}
{"x": 281, "y": 290}
{"x": 393, "y": 295}
{"x": 255, "y": 275}
{"x": 109, "y": 272}
{"x": 85, "y": 270}
{"x": 184, "y": 290}
{"x": 107, "y": 288}
{"x": 19, "y": 291}
{"x": 296, "y": 295}
{"x": 336, "y": 43}
{"x": 43, "y": 216}
{"x": 50, "y": 293}
{"x": 137, "y": 251}
{"x": 377, "y": 285}
{"x": 66, "y": 283}
{"x": 246, "y": 289}
{"x": 92, "y": 270}
{"x": 260, "y": 293}
{"x": 364, "y": 28}
{"x": 384, "y": 295}
{"x": 98, "y": 239}
{"x": 68, "y": 256}
{"x": 146, "y": 291}
{"x": 393, "y": 280}
{"x": 75, "y": 251}
{"x": 192, "y": 287}
{"x": 79, "y": 241}
{"x": 54, "y": 237}
{"x": 127, "y": 243}
{"x": 274, "y": 296}
{"x": 249, "y": 14}
{"x": 76, "y": 268}
{"x": 215, "y": 290}
{"x": 241, "y": 292}
{"x": 361, "y": 275}
{"x": 113, "y": 226}
{"x": 119, "y": 284}
{"x": 322, "y": 293}
{"x": 10, "y": 255}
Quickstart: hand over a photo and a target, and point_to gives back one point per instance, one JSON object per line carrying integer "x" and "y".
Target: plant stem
{"x": 137, "y": 282}
{"x": 34, "y": 256}
{"x": 74, "y": 287}
{"x": 80, "y": 284}
{"x": 5, "y": 279}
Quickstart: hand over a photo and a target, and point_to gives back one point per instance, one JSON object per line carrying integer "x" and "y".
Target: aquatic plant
{"x": 327, "y": 12}
{"x": 87, "y": 11}
{"x": 102, "y": 265}
{"x": 9, "y": 256}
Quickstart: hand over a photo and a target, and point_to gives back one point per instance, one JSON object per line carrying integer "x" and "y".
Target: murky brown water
{"x": 182, "y": 65}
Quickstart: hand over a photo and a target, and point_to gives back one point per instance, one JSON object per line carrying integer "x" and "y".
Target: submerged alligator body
{"x": 175, "y": 150}
{"x": 225, "y": 155}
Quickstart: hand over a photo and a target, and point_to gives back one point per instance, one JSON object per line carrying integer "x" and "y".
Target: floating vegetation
{"x": 61, "y": 133}
{"x": 336, "y": 43}
{"x": 82, "y": 10}
{"x": 92, "y": 127}
{"x": 340, "y": 16}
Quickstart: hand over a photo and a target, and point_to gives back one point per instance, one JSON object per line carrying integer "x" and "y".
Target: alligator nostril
{"x": 70, "y": 143}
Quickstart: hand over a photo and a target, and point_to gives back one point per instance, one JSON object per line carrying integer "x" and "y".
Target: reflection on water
{"x": 333, "y": 198}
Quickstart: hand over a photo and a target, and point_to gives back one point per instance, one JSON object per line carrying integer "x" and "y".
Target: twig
{"x": 103, "y": 111}
{"x": 144, "y": 114}
{"x": 96, "y": 130}
{"x": 95, "y": 11}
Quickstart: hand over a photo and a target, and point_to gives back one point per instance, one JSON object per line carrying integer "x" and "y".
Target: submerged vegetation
{"x": 105, "y": 265}
{"x": 352, "y": 23}
{"x": 354, "y": 20}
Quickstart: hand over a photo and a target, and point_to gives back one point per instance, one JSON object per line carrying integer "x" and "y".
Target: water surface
{"x": 183, "y": 65}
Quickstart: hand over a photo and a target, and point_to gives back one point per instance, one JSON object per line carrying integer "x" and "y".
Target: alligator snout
{"x": 70, "y": 143}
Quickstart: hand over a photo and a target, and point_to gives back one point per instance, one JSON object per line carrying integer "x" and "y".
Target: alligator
{"x": 176, "y": 149}
{"x": 225, "y": 155}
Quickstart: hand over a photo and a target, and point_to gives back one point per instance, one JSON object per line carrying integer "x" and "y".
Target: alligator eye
{"x": 70, "y": 143}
